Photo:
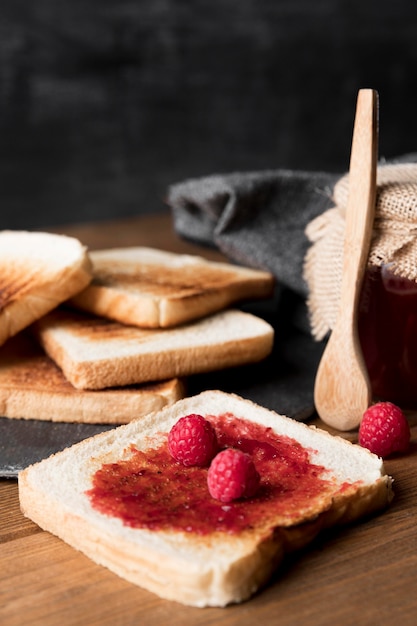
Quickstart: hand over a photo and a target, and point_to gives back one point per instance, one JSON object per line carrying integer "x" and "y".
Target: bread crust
{"x": 211, "y": 571}
{"x": 95, "y": 354}
{"x": 38, "y": 271}
{"x": 33, "y": 387}
{"x": 157, "y": 289}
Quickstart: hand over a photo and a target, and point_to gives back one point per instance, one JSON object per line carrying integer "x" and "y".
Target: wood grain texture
{"x": 155, "y": 230}
{"x": 363, "y": 574}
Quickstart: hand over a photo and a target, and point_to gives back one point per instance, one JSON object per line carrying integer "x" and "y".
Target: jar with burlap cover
{"x": 394, "y": 240}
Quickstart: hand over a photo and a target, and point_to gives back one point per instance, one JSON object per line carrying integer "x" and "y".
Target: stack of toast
{"x": 107, "y": 336}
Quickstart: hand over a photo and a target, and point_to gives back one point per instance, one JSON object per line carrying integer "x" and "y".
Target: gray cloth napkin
{"x": 255, "y": 218}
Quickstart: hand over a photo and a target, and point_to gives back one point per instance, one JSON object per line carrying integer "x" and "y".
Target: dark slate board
{"x": 283, "y": 382}
{"x": 23, "y": 442}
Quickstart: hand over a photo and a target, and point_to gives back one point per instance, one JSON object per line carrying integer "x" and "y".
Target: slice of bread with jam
{"x": 121, "y": 498}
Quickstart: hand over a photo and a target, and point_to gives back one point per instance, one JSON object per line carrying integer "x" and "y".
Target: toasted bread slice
{"x": 33, "y": 387}
{"x": 156, "y": 289}
{"x": 121, "y": 499}
{"x": 95, "y": 353}
{"x": 38, "y": 271}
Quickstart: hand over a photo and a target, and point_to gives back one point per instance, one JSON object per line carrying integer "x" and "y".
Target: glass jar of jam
{"x": 387, "y": 324}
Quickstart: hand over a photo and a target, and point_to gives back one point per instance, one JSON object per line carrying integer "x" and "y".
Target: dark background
{"x": 104, "y": 104}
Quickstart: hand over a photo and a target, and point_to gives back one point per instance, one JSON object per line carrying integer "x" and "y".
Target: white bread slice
{"x": 38, "y": 271}
{"x": 95, "y": 353}
{"x": 33, "y": 387}
{"x": 177, "y": 561}
{"x": 153, "y": 288}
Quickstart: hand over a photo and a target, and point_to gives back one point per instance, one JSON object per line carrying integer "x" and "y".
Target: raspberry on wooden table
{"x": 192, "y": 441}
{"x": 232, "y": 475}
{"x": 384, "y": 429}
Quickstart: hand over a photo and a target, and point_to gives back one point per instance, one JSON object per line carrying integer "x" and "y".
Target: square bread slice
{"x": 95, "y": 353}
{"x": 32, "y": 386}
{"x": 157, "y": 289}
{"x": 120, "y": 498}
{"x": 38, "y": 271}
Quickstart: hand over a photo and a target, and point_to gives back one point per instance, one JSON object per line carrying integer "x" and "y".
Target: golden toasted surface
{"x": 162, "y": 282}
{"x": 38, "y": 271}
{"x": 32, "y": 386}
{"x": 152, "y": 288}
{"x": 12, "y": 286}
{"x": 23, "y": 364}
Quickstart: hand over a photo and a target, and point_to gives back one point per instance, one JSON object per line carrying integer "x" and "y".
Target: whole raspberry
{"x": 192, "y": 441}
{"x": 232, "y": 475}
{"x": 384, "y": 429}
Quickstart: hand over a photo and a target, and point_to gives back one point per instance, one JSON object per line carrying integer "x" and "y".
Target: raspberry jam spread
{"x": 387, "y": 326}
{"x": 151, "y": 490}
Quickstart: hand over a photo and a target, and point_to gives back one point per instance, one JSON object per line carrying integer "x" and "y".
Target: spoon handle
{"x": 361, "y": 201}
{"x": 342, "y": 389}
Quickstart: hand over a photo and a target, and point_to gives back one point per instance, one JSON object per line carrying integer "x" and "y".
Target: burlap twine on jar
{"x": 394, "y": 240}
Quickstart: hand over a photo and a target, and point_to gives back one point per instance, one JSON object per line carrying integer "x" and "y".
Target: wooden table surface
{"x": 362, "y": 575}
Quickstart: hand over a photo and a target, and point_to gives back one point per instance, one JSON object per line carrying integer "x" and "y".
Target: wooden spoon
{"x": 342, "y": 389}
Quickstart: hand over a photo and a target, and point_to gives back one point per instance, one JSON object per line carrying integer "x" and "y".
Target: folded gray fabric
{"x": 255, "y": 218}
